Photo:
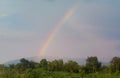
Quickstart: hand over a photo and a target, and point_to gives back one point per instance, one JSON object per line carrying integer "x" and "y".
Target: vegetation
{"x": 58, "y": 69}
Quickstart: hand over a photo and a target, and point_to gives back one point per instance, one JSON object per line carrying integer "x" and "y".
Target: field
{"x": 39, "y": 73}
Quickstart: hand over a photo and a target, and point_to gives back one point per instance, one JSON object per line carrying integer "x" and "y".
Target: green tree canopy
{"x": 92, "y": 64}
{"x": 56, "y": 65}
{"x": 44, "y": 63}
{"x": 71, "y": 66}
{"x": 115, "y": 64}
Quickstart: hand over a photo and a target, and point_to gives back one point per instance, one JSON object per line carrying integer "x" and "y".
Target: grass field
{"x": 39, "y": 73}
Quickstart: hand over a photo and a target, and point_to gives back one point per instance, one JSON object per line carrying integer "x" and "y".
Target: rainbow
{"x": 53, "y": 32}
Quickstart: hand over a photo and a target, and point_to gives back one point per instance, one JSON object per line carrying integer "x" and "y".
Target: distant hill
{"x": 80, "y": 61}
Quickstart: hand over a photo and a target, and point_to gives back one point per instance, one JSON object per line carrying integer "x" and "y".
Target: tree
{"x": 56, "y": 65}
{"x": 44, "y": 63}
{"x": 105, "y": 69}
{"x": 92, "y": 64}
{"x": 115, "y": 64}
{"x": 24, "y": 64}
{"x": 12, "y": 66}
{"x": 60, "y": 64}
{"x": 71, "y": 66}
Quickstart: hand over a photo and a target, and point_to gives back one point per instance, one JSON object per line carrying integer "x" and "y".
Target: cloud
{"x": 10, "y": 35}
{"x": 3, "y": 15}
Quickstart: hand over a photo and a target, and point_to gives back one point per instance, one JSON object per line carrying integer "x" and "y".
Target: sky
{"x": 92, "y": 30}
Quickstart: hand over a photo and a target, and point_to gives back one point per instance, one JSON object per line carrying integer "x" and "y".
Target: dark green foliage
{"x": 24, "y": 64}
{"x": 59, "y": 69}
{"x": 71, "y": 66}
{"x": 115, "y": 64}
{"x": 44, "y": 64}
{"x": 92, "y": 64}
{"x": 105, "y": 69}
{"x": 55, "y": 65}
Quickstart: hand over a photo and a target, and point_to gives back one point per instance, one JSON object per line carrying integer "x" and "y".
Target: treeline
{"x": 48, "y": 69}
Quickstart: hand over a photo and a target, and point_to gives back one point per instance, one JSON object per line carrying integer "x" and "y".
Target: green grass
{"x": 39, "y": 73}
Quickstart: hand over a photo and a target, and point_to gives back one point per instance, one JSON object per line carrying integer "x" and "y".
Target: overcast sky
{"x": 92, "y": 30}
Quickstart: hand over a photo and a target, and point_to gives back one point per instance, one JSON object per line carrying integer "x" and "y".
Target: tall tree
{"x": 92, "y": 64}
{"x": 71, "y": 66}
{"x": 56, "y": 65}
{"x": 44, "y": 63}
{"x": 24, "y": 64}
{"x": 115, "y": 64}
